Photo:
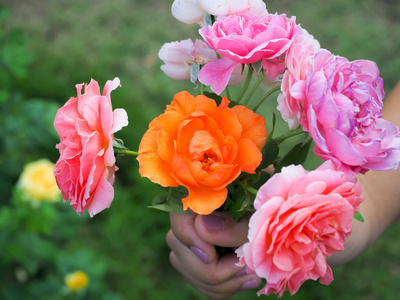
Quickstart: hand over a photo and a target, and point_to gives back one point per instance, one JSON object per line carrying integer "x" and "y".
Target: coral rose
{"x": 341, "y": 105}
{"x": 203, "y": 147}
{"x": 86, "y": 126}
{"x": 300, "y": 219}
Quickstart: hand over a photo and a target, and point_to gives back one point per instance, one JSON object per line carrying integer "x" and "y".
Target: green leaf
{"x": 119, "y": 144}
{"x": 297, "y": 155}
{"x": 194, "y": 72}
{"x": 270, "y": 135}
{"x": 257, "y": 66}
{"x": 207, "y": 20}
{"x": 214, "y": 96}
{"x": 270, "y": 153}
{"x": 171, "y": 202}
{"x": 358, "y": 217}
{"x": 240, "y": 201}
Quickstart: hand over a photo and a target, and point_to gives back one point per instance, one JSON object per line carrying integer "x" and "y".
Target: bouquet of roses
{"x": 212, "y": 151}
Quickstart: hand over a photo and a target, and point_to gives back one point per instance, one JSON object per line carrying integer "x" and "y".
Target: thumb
{"x": 221, "y": 229}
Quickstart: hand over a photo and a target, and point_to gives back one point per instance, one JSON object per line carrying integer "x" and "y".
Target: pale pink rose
{"x": 246, "y": 39}
{"x": 180, "y": 56}
{"x": 301, "y": 218}
{"x": 193, "y": 11}
{"x": 297, "y": 61}
{"x": 341, "y": 104}
{"x": 86, "y": 126}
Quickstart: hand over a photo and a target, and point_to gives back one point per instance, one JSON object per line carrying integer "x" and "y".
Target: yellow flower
{"x": 77, "y": 280}
{"x": 37, "y": 181}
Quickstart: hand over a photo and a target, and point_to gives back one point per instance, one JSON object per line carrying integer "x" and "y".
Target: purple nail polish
{"x": 241, "y": 272}
{"x": 213, "y": 223}
{"x": 200, "y": 254}
{"x": 249, "y": 285}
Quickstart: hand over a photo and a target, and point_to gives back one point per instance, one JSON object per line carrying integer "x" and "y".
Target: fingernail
{"x": 213, "y": 223}
{"x": 249, "y": 285}
{"x": 200, "y": 254}
{"x": 241, "y": 272}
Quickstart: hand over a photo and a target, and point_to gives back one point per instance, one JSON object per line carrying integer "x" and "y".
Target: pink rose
{"x": 246, "y": 39}
{"x": 297, "y": 61}
{"x": 341, "y": 103}
{"x": 86, "y": 126}
{"x": 180, "y": 56}
{"x": 193, "y": 11}
{"x": 301, "y": 218}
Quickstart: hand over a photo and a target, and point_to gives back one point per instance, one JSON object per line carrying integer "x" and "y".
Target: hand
{"x": 193, "y": 240}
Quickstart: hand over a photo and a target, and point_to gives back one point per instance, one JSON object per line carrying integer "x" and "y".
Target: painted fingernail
{"x": 241, "y": 272}
{"x": 249, "y": 285}
{"x": 213, "y": 223}
{"x": 200, "y": 254}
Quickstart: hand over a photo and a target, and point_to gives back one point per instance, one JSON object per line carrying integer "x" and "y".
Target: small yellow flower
{"x": 37, "y": 181}
{"x": 77, "y": 280}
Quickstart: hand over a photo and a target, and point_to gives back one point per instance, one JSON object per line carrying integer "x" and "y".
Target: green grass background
{"x": 73, "y": 41}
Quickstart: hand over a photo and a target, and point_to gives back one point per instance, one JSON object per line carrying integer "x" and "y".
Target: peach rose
{"x": 301, "y": 218}
{"x": 203, "y": 147}
{"x": 86, "y": 126}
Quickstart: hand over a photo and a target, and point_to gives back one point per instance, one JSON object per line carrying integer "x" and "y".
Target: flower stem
{"x": 269, "y": 93}
{"x": 228, "y": 93}
{"x": 127, "y": 152}
{"x": 201, "y": 91}
{"x": 246, "y": 84}
{"x": 254, "y": 89}
{"x": 291, "y": 133}
{"x": 252, "y": 190}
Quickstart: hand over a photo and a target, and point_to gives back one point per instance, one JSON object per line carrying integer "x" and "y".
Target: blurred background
{"x": 46, "y": 47}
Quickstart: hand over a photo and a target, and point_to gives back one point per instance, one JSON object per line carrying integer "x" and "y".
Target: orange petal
{"x": 204, "y": 200}
{"x": 151, "y": 165}
{"x": 183, "y": 103}
{"x": 169, "y": 122}
{"x": 249, "y": 156}
{"x": 253, "y": 125}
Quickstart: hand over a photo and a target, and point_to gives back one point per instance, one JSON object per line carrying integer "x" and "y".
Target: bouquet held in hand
{"x": 211, "y": 150}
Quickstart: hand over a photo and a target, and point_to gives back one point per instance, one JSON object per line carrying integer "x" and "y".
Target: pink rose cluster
{"x": 86, "y": 126}
{"x": 339, "y": 102}
{"x": 301, "y": 218}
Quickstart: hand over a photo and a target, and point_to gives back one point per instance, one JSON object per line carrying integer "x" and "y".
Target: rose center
{"x": 208, "y": 160}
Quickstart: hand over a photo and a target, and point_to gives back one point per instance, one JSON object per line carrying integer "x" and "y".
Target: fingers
{"x": 183, "y": 228}
{"x": 192, "y": 241}
{"x": 220, "y": 228}
{"x": 218, "y": 279}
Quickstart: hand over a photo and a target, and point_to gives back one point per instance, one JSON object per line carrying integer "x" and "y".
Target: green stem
{"x": 269, "y": 93}
{"x": 290, "y": 134}
{"x": 260, "y": 79}
{"x": 246, "y": 84}
{"x": 252, "y": 190}
{"x": 201, "y": 89}
{"x": 228, "y": 93}
{"x": 127, "y": 152}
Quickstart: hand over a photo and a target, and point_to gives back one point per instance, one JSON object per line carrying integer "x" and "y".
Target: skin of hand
{"x": 381, "y": 206}
{"x": 192, "y": 238}
{"x": 192, "y": 241}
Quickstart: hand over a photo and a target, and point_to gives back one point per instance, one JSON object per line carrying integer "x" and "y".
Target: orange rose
{"x": 203, "y": 147}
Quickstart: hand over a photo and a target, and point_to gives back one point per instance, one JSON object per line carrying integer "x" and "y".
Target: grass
{"x": 73, "y": 41}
